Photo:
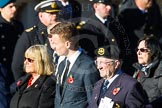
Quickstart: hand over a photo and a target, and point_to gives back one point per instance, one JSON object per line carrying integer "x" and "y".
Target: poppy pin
{"x": 116, "y": 91}
{"x": 70, "y": 79}
{"x": 18, "y": 83}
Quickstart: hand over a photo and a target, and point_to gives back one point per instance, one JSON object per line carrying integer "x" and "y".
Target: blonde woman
{"x": 37, "y": 88}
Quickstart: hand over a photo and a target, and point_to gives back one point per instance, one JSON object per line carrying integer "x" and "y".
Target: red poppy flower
{"x": 116, "y": 91}
{"x": 70, "y": 79}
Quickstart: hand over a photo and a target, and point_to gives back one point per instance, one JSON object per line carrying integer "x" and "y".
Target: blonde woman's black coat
{"x": 39, "y": 95}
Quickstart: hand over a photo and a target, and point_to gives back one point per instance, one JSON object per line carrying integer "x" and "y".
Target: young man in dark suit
{"x": 116, "y": 89}
{"x": 77, "y": 73}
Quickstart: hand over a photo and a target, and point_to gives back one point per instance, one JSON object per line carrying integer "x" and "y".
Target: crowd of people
{"x": 103, "y": 61}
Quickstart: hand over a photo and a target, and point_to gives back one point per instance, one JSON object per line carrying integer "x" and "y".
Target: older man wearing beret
{"x": 47, "y": 14}
{"x": 116, "y": 89}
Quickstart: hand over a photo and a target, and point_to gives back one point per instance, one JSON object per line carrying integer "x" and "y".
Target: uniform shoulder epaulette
{"x": 81, "y": 23}
{"x": 30, "y": 29}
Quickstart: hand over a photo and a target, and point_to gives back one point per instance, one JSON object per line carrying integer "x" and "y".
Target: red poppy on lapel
{"x": 18, "y": 83}
{"x": 116, "y": 91}
{"x": 70, "y": 79}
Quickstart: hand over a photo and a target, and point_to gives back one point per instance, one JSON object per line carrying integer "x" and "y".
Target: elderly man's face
{"x": 107, "y": 67}
{"x": 48, "y": 18}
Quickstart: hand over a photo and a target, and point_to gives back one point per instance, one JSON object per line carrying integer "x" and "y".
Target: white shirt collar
{"x": 100, "y": 18}
{"x": 114, "y": 77}
{"x": 73, "y": 58}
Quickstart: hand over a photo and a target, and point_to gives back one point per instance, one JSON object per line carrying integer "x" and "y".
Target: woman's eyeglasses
{"x": 145, "y": 50}
{"x": 29, "y": 60}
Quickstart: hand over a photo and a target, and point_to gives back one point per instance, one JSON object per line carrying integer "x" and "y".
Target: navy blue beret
{"x": 3, "y": 3}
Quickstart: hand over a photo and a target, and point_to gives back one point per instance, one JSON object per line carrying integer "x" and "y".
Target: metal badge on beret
{"x": 101, "y": 51}
{"x": 53, "y": 5}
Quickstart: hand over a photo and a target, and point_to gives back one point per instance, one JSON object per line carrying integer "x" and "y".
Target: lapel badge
{"x": 96, "y": 97}
{"x": 70, "y": 79}
{"x": 117, "y": 105}
{"x": 36, "y": 85}
{"x": 116, "y": 90}
{"x": 57, "y": 78}
{"x": 101, "y": 51}
{"x": 18, "y": 83}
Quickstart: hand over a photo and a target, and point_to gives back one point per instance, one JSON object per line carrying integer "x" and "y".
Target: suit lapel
{"x": 114, "y": 85}
{"x": 72, "y": 72}
{"x": 58, "y": 77}
{"x": 97, "y": 90}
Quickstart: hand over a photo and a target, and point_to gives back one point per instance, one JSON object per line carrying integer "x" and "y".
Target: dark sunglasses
{"x": 143, "y": 50}
{"x": 49, "y": 36}
{"x": 29, "y": 60}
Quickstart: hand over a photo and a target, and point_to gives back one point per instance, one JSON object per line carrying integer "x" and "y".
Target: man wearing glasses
{"x": 115, "y": 89}
{"x": 47, "y": 14}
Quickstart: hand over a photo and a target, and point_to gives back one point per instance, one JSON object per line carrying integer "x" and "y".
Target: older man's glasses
{"x": 144, "y": 50}
{"x": 103, "y": 62}
{"x": 29, "y": 60}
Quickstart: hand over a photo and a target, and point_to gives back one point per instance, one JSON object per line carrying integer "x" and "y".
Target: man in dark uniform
{"x": 140, "y": 18}
{"x": 116, "y": 89}
{"x": 101, "y": 29}
{"x": 48, "y": 14}
{"x": 10, "y": 30}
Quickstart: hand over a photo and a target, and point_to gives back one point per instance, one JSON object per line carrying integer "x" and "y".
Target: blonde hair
{"x": 42, "y": 60}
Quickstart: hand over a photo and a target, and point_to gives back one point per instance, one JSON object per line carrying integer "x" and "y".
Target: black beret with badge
{"x": 107, "y": 2}
{"x": 110, "y": 51}
{"x": 49, "y": 6}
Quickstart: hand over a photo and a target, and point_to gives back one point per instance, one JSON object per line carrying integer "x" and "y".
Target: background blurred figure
{"x": 71, "y": 10}
{"x": 116, "y": 89}
{"x": 149, "y": 69}
{"x": 37, "y": 88}
{"x": 140, "y": 18}
{"x": 10, "y": 30}
{"x": 77, "y": 73}
{"x": 48, "y": 14}
{"x": 102, "y": 29}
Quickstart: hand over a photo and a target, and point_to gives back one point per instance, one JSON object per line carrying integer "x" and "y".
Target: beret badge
{"x": 101, "y": 51}
{"x": 53, "y": 5}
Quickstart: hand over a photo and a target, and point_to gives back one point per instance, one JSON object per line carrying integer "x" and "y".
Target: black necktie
{"x": 105, "y": 23}
{"x": 66, "y": 71}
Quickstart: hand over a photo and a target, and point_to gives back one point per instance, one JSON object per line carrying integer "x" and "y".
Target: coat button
{"x": 2, "y": 36}
{"x": 4, "y": 59}
{"x": 3, "y": 48}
